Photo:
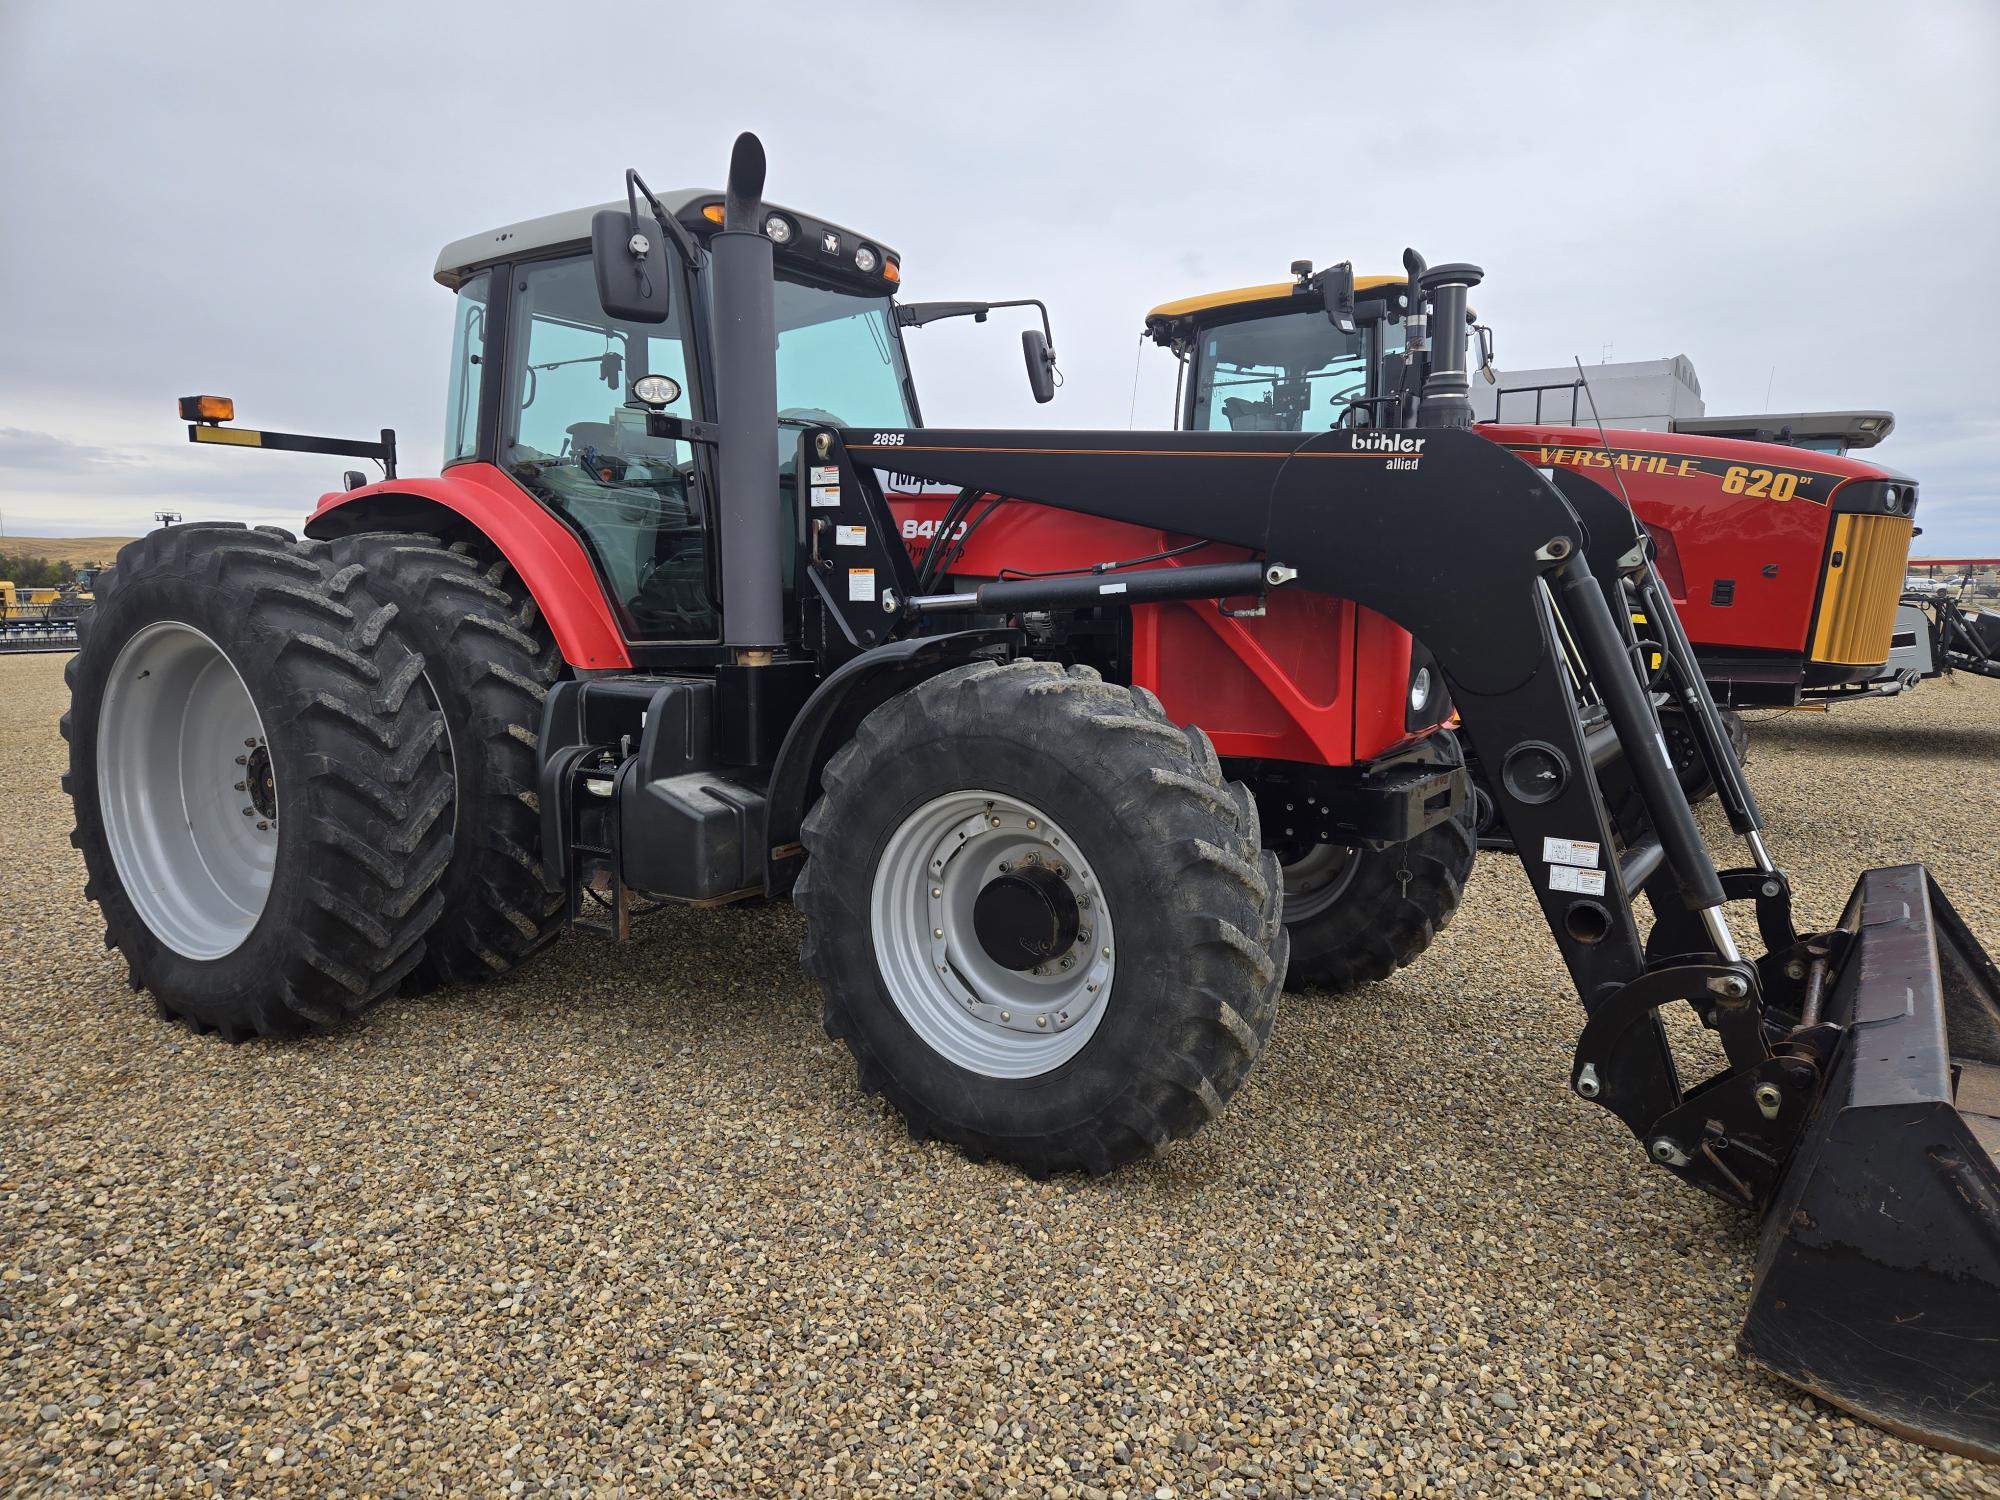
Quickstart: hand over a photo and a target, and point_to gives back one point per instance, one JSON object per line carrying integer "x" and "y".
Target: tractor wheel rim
{"x": 186, "y": 791}
{"x": 1317, "y": 879}
{"x": 946, "y": 914}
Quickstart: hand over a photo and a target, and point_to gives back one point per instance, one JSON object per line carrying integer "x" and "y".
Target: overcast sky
{"x": 1804, "y": 199}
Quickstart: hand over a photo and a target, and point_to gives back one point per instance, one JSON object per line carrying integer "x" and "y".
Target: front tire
{"x": 976, "y": 827}
{"x": 260, "y": 800}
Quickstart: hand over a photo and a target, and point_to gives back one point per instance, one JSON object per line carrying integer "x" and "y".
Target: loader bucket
{"x": 1878, "y": 1277}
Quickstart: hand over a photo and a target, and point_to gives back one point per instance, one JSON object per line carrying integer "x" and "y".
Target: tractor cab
{"x": 599, "y": 418}
{"x": 1269, "y": 359}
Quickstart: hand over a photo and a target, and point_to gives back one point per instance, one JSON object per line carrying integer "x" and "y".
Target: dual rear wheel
{"x": 304, "y": 773}
{"x": 261, "y": 803}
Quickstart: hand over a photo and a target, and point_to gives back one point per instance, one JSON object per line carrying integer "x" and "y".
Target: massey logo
{"x": 1385, "y": 442}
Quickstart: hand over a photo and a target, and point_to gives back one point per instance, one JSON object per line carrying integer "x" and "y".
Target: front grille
{"x": 1864, "y": 581}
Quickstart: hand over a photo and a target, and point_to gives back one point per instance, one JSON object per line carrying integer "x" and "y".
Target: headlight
{"x": 778, "y": 229}
{"x": 1420, "y": 689}
{"x": 866, "y": 260}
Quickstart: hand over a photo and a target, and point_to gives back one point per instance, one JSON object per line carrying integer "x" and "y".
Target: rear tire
{"x": 261, "y": 803}
{"x": 1357, "y": 915}
{"x": 489, "y": 663}
{"x": 1098, "y": 793}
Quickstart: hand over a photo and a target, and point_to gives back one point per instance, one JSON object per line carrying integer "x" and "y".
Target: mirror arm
{"x": 917, "y": 314}
{"x": 635, "y": 187}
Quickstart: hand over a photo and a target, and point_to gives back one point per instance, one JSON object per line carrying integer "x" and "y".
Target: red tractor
{"x": 641, "y": 645}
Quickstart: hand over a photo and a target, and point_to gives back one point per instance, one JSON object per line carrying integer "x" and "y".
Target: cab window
{"x": 573, "y": 436}
{"x": 1290, "y": 372}
{"x": 468, "y": 364}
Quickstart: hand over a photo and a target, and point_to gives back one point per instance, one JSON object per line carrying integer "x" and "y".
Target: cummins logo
{"x": 1386, "y": 442}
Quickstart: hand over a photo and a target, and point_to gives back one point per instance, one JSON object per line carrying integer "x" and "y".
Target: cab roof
{"x": 1170, "y": 320}
{"x": 1274, "y": 291}
{"x": 530, "y": 237}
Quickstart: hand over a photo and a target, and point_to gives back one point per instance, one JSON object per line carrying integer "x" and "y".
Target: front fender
{"x": 830, "y": 716}
{"x": 551, "y": 562}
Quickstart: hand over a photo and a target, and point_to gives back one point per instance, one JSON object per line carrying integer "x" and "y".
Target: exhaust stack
{"x": 1447, "y": 396}
{"x": 746, "y": 388}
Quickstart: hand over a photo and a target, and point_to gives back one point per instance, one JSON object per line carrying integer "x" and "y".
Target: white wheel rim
{"x": 180, "y": 757}
{"x": 1317, "y": 879}
{"x": 966, "y": 1006}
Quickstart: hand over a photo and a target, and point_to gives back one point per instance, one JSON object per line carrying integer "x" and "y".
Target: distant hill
{"x": 77, "y": 551}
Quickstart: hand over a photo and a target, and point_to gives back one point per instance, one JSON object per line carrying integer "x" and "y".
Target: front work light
{"x": 778, "y": 228}
{"x": 866, "y": 260}
{"x": 656, "y": 390}
{"x": 207, "y": 409}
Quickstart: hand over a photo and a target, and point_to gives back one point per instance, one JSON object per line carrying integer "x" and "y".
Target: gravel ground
{"x": 625, "y": 1224}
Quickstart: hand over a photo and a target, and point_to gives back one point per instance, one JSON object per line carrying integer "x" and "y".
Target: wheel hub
{"x": 258, "y": 783}
{"x": 1027, "y": 918}
{"x": 992, "y": 934}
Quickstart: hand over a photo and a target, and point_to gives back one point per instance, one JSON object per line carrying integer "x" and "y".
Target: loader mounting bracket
{"x": 1732, "y": 1134}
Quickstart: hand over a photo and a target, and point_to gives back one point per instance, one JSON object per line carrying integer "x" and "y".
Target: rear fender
{"x": 546, "y": 554}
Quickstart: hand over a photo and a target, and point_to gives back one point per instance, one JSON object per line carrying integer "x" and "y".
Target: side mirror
{"x": 1338, "y": 286}
{"x": 1485, "y": 337}
{"x": 1041, "y": 364}
{"x": 629, "y": 255}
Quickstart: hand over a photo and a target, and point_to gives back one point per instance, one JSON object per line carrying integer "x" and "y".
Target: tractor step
{"x": 1878, "y": 1277}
